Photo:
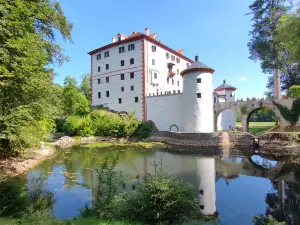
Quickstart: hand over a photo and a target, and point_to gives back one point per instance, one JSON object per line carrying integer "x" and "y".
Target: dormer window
{"x": 173, "y": 57}
{"x": 153, "y": 48}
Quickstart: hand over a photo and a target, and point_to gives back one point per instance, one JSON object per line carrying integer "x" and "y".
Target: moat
{"x": 236, "y": 185}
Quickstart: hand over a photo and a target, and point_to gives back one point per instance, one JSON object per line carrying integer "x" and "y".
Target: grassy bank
{"x": 107, "y": 144}
{"x": 87, "y": 221}
{"x": 258, "y": 127}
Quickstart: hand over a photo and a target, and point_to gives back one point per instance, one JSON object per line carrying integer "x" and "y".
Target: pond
{"x": 237, "y": 186}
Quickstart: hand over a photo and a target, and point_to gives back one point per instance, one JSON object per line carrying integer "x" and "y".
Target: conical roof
{"x": 225, "y": 86}
{"x": 197, "y": 66}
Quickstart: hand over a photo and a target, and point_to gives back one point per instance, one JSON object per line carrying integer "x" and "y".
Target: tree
{"x": 288, "y": 34}
{"x": 262, "y": 46}
{"x": 294, "y": 91}
{"x": 290, "y": 115}
{"x": 27, "y": 40}
{"x": 74, "y": 102}
{"x": 85, "y": 85}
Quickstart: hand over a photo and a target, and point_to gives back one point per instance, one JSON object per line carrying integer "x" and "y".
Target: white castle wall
{"x": 165, "y": 111}
{"x": 197, "y": 113}
{"x": 115, "y": 83}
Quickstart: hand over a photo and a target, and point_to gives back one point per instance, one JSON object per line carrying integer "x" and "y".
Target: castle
{"x": 138, "y": 73}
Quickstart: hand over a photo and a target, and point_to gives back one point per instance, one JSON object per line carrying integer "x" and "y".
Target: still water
{"x": 235, "y": 185}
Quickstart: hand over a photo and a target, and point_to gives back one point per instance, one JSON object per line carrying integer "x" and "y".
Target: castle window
{"x": 106, "y": 54}
{"x": 173, "y": 57}
{"x": 122, "y": 89}
{"x": 107, "y": 79}
{"x": 187, "y": 64}
{"x": 198, "y": 95}
{"x": 230, "y": 95}
{"x": 132, "y": 75}
{"x": 201, "y": 192}
{"x": 131, "y": 61}
{"x": 99, "y": 56}
{"x": 107, "y": 66}
{"x": 121, "y": 49}
{"x": 99, "y": 81}
{"x": 136, "y": 99}
{"x": 177, "y": 60}
{"x": 153, "y": 48}
{"x": 201, "y": 207}
{"x": 198, "y": 80}
{"x": 178, "y": 83}
{"x": 167, "y": 55}
{"x": 153, "y": 61}
{"x": 131, "y": 47}
{"x": 99, "y": 68}
{"x": 122, "y": 63}
{"x": 107, "y": 94}
{"x": 99, "y": 94}
{"x": 155, "y": 75}
{"x": 168, "y": 80}
{"x": 172, "y": 81}
{"x": 122, "y": 76}
{"x": 174, "y": 92}
{"x": 120, "y": 100}
{"x": 131, "y": 88}
{"x": 177, "y": 71}
{"x": 178, "y": 91}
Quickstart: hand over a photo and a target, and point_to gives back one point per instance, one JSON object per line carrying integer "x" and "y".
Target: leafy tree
{"x": 290, "y": 115}
{"x": 294, "y": 91}
{"x": 262, "y": 46}
{"x": 288, "y": 34}
{"x": 27, "y": 40}
{"x": 85, "y": 85}
{"x": 266, "y": 220}
{"x": 74, "y": 102}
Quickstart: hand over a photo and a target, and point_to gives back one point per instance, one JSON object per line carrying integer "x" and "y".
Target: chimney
{"x": 113, "y": 39}
{"x": 196, "y": 58}
{"x": 224, "y": 81}
{"x": 147, "y": 31}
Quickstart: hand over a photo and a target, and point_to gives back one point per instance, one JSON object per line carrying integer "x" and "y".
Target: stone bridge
{"x": 246, "y": 108}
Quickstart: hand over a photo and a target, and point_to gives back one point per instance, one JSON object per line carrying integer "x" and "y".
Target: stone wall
{"x": 240, "y": 139}
{"x": 280, "y": 141}
{"x": 188, "y": 139}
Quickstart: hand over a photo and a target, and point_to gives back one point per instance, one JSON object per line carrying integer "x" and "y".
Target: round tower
{"x": 227, "y": 119}
{"x": 197, "y": 105}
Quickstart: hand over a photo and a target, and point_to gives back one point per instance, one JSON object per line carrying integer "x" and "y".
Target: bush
{"x": 59, "y": 124}
{"x": 72, "y": 125}
{"x": 159, "y": 199}
{"x": 266, "y": 220}
{"x": 143, "y": 130}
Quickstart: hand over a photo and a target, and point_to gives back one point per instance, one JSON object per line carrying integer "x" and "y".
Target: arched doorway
{"x": 261, "y": 120}
{"x": 226, "y": 120}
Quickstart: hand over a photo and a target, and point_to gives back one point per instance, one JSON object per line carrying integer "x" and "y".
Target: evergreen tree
{"x": 262, "y": 46}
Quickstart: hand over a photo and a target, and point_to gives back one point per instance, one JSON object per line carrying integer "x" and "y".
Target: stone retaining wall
{"x": 282, "y": 141}
{"x": 188, "y": 139}
{"x": 240, "y": 139}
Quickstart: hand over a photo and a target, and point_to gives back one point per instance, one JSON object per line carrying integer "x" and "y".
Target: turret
{"x": 197, "y": 105}
{"x": 227, "y": 119}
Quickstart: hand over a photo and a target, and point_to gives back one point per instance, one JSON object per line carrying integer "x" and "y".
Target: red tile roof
{"x": 137, "y": 36}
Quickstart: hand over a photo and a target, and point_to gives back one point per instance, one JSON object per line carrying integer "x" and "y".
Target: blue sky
{"x": 216, "y": 30}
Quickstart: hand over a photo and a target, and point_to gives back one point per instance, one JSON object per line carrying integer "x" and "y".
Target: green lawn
{"x": 258, "y": 124}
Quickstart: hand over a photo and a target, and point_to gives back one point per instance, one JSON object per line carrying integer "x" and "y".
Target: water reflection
{"x": 237, "y": 186}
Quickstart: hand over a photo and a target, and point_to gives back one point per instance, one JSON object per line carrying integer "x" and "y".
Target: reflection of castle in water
{"x": 202, "y": 172}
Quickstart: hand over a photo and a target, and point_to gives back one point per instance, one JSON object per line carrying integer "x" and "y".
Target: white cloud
{"x": 242, "y": 78}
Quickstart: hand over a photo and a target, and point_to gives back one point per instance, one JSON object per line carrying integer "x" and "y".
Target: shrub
{"x": 143, "y": 130}
{"x": 59, "y": 124}
{"x": 266, "y": 220}
{"x": 158, "y": 199}
{"x": 86, "y": 127}
{"x": 72, "y": 125}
